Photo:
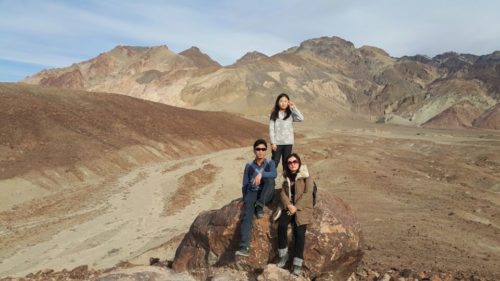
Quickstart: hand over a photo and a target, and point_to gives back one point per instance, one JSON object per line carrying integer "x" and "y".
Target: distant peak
{"x": 250, "y": 57}
{"x": 138, "y": 48}
{"x": 199, "y": 58}
{"x": 375, "y": 50}
{"x": 327, "y": 41}
{"x": 192, "y": 49}
{"x": 132, "y": 50}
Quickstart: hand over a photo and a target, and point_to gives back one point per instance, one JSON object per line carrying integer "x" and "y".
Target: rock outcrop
{"x": 489, "y": 119}
{"x": 333, "y": 241}
{"x": 460, "y": 115}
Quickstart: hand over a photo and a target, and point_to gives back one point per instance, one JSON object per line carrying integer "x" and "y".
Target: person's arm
{"x": 245, "y": 180}
{"x": 305, "y": 201}
{"x": 271, "y": 172}
{"x": 285, "y": 201}
{"x": 272, "y": 136}
{"x": 296, "y": 114}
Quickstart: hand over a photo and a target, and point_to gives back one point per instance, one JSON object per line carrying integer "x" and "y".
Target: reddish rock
{"x": 435, "y": 277}
{"x": 460, "y": 115}
{"x": 80, "y": 272}
{"x": 490, "y": 119}
{"x": 421, "y": 275}
{"x": 274, "y": 273}
{"x": 333, "y": 241}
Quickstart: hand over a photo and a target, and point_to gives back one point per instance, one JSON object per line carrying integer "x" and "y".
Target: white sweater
{"x": 281, "y": 131}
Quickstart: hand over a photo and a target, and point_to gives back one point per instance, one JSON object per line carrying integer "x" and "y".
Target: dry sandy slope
{"x": 132, "y": 219}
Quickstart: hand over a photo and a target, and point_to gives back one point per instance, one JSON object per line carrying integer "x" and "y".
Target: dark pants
{"x": 299, "y": 234}
{"x": 281, "y": 152}
{"x": 252, "y": 198}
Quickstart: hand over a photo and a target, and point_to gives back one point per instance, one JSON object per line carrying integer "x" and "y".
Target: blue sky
{"x": 38, "y": 34}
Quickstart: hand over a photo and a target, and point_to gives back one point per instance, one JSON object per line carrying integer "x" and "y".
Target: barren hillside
{"x": 49, "y": 127}
{"x": 328, "y": 77}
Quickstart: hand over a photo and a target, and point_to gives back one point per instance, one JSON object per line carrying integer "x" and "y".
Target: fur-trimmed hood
{"x": 303, "y": 173}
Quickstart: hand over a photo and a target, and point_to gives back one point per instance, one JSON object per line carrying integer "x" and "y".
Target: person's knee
{"x": 282, "y": 228}
{"x": 301, "y": 234}
{"x": 249, "y": 198}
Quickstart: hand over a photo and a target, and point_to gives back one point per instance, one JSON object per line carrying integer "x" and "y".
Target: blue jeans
{"x": 252, "y": 198}
{"x": 282, "y": 152}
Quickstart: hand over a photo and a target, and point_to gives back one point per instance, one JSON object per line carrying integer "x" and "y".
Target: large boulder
{"x": 333, "y": 246}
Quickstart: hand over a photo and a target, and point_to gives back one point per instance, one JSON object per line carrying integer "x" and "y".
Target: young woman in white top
{"x": 284, "y": 113}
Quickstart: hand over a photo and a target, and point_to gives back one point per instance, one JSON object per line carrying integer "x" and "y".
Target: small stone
{"x": 372, "y": 275}
{"x": 435, "y": 277}
{"x": 153, "y": 261}
{"x": 79, "y": 272}
{"x": 406, "y": 273}
{"x": 361, "y": 272}
{"x": 386, "y": 277}
{"x": 421, "y": 275}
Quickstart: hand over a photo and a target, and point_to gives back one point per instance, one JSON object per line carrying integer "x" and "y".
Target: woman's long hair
{"x": 276, "y": 109}
{"x": 287, "y": 169}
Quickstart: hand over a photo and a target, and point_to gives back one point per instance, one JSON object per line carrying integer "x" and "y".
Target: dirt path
{"x": 133, "y": 218}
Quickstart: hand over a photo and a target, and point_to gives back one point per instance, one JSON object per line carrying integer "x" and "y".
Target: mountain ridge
{"x": 327, "y": 76}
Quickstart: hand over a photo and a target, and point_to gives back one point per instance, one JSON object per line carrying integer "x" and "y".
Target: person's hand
{"x": 291, "y": 104}
{"x": 291, "y": 209}
{"x": 274, "y": 146}
{"x": 257, "y": 179}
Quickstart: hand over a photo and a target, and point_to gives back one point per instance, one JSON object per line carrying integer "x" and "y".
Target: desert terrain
{"x": 426, "y": 199}
{"x": 111, "y": 159}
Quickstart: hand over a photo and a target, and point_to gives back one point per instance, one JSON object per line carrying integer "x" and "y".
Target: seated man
{"x": 258, "y": 190}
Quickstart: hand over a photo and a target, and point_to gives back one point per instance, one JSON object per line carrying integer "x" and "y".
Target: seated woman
{"x": 297, "y": 200}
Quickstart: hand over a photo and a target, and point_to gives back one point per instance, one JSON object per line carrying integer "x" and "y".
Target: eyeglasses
{"x": 293, "y": 162}
{"x": 260, "y": 149}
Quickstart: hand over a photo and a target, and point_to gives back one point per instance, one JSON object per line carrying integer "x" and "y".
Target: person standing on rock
{"x": 258, "y": 190}
{"x": 297, "y": 200}
{"x": 281, "y": 127}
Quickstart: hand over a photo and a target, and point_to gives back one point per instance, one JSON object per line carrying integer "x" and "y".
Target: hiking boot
{"x": 297, "y": 270}
{"x": 243, "y": 251}
{"x": 259, "y": 211}
{"x": 282, "y": 262}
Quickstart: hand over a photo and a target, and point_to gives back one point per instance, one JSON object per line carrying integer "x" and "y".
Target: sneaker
{"x": 297, "y": 270}
{"x": 282, "y": 262}
{"x": 243, "y": 251}
{"x": 259, "y": 211}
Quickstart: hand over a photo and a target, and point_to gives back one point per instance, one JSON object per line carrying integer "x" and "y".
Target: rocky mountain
{"x": 250, "y": 57}
{"x": 328, "y": 77}
{"x": 201, "y": 60}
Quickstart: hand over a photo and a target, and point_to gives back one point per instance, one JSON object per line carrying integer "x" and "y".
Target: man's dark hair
{"x": 259, "y": 141}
